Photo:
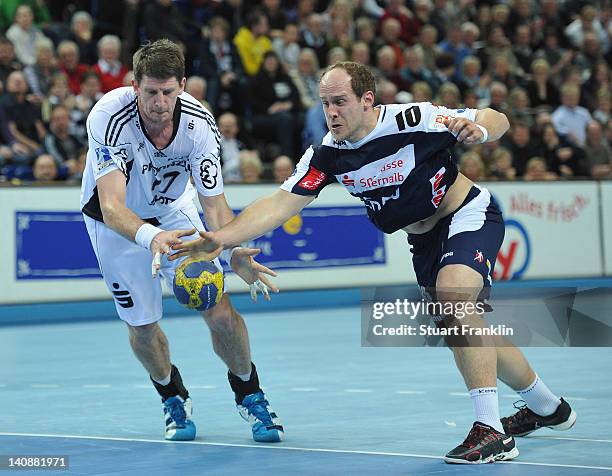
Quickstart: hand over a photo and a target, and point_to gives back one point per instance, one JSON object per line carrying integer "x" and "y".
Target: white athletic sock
{"x": 539, "y": 399}
{"x": 165, "y": 381}
{"x": 486, "y": 406}
{"x": 245, "y": 377}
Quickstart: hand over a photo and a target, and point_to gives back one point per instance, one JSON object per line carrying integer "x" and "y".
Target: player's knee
{"x": 145, "y": 333}
{"x": 458, "y": 283}
{"x": 221, "y": 317}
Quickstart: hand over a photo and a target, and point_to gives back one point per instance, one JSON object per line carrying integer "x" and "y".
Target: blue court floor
{"x": 75, "y": 389}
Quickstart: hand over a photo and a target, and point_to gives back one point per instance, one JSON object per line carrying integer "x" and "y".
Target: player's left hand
{"x": 464, "y": 130}
{"x": 252, "y": 272}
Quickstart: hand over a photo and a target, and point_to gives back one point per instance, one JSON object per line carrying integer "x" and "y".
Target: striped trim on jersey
{"x": 196, "y": 110}
{"x": 118, "y": 121}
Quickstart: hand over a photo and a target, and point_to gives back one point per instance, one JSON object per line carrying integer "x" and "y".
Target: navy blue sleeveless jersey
{"x": 401, "y": 170}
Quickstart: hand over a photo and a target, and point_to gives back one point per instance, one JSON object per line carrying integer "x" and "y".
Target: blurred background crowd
{"x": 255, "y": 65}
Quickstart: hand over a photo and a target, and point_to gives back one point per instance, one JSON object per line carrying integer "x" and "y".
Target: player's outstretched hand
{"x": 252, "y": 272}
{"x": 464, "y": 130}
{"x": 206, "y": 243}
{"x": 162, "y": 243}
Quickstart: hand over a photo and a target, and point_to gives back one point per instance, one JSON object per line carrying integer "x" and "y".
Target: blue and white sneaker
{"x": 265, "y": 425}
{"x": 179, "y": 426}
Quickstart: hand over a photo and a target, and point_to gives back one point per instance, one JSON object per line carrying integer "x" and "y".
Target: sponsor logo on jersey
{"x": 312, "y": 179}
{"x": 478, "y": 256}
{"x": 437, "y": 192}
{"x": 375, "y": 205}
{"x": 106, "y": 156}
{"x": 387, "y": 172}
{"x": 209, "y": 171}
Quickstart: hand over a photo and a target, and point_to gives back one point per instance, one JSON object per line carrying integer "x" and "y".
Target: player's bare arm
{"x": 494, "y": 123}
{"x": 217, "y": 213}
{"x": 263, "y": 215}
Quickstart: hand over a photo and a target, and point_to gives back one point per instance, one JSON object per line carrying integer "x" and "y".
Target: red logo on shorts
{"x": 312, "y": 179}
{"x": 479, "y": 256}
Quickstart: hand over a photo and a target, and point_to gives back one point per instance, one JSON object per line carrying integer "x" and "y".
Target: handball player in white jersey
{"x": 147, "y": 143}
{"x": 396, "y": 159}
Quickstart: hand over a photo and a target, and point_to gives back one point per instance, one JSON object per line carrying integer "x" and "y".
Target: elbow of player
{"x": 109, "y": 212}
{"x": 505, "y": 123}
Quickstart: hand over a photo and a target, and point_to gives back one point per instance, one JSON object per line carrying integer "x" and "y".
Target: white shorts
{"x": 126, "y": 267}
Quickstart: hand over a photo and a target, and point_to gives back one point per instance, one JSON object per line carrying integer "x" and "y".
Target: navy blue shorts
{"x": 471, "y": 236}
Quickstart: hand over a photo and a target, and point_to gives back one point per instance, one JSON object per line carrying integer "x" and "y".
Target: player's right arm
{"x": 265, "y": 214}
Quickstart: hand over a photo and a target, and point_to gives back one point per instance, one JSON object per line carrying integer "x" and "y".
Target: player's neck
{"x": 369, "y": 123}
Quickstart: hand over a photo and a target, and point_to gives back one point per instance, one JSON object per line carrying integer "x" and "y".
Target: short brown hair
{"x": 161, "y": 59}
{"x": 362, "y": 79}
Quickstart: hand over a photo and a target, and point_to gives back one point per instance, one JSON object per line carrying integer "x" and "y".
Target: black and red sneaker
{"x": 525, "y": 421}
{"x": 483, "y": 444}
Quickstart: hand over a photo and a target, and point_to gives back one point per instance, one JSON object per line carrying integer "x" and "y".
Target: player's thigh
{"x": 126, "y": 269}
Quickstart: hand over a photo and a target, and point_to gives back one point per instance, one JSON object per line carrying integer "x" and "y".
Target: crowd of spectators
{"x": 255, "y": 64}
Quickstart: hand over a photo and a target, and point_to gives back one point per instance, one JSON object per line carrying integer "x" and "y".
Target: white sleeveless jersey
{"x": 158, "y": 181}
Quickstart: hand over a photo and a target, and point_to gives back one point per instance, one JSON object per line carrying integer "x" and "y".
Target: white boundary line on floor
{"x": 291, "y": 448}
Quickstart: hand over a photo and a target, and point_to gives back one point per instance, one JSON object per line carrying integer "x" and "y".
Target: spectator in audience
{"x": 8, "y": 8}
{"x": 522, "y": 146}
{"x": 24, "y": 117}
{"x": 83, "y": 103}
{"x": 68, "y": 54}
{"x": 45, "y": 169}
{"x": 286, "y": 46}
{"x": 570, "y": 119}
{"x": 306, "y": 78}
{"x": 282, "y": 168}
{"x": 219, "y": 63}
{"x": 470, "y": 165}
{"x": 315, "y": 127}
{"x": 390, "y": 30}
{"x": 599, "y": 80}
{"x": 415, "y": 70}
{"x": 558, "y": 58}
{"x": 313, "y": 36}
{"x": 275, "y": 101}
{"x": 411, "y": 25}
{"x": 360, "y": 53}
{"x": 454, "y": 46}
{"x": 428, "y": 45}
{"x": 40, "y": 73}
{"x": 386, "y": 92}
{"x": 60, "y": 144}
{"x": 109, "y": 68}
{"x": 536, "y": 170}
{"x": 421, "y": 92}
{"x": 386, "y": 62}
{"x": 502, "y": 165}
{"x": 162, "y": 19}
{"x": 196, "y": 86}
{"x": 598, "y": 152}
{"x": 81, "y": 32}
{"x": 562, "y": 157}
{"x": 24, "y": 35}
{"x": 602, "y": 112}
{"x": 59, "y": 95}
{"x": 252, "y": 42}
{"x": 522, "y": 46}
{"x": 230, "y": 147}
{"x": 586, "y": 22}
{"x": 8, "y": 60}
{"x": 277, "y": 18}
{"x": 542, "y": 92}
{"x": 336, "y": 54}
{"x": 518, "y": 107}
{"x": 499, "y": 94}
{"x": 251, "y": 167}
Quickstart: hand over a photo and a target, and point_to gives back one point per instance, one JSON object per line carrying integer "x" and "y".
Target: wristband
{"x": 145, "y": 234}
{"x": 484, "y": 132}
{"x": 226, "y": 255}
